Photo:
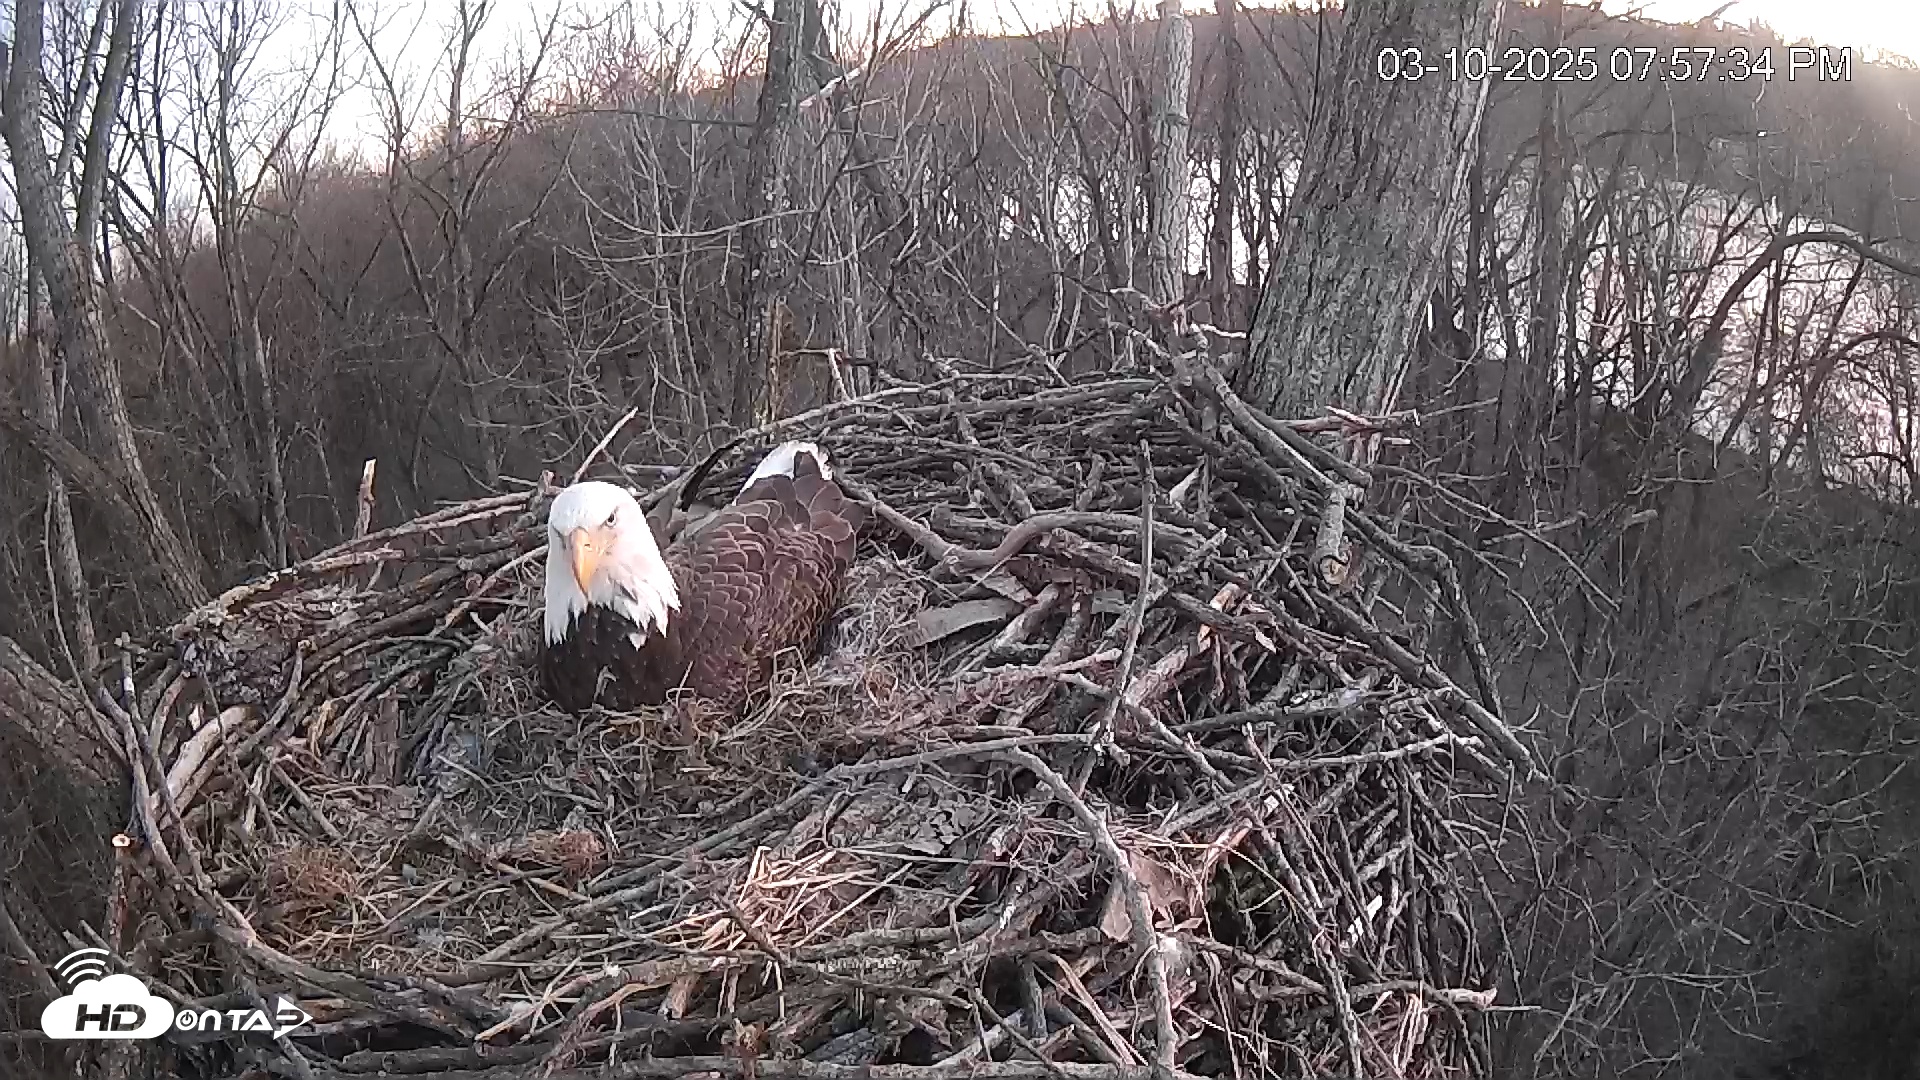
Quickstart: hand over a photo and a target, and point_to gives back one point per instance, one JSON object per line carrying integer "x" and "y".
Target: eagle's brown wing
{"x": 758, "y": 578}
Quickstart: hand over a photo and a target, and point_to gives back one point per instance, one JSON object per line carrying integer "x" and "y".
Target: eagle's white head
{"x": 601, "y": 552}
{"x": 784, "y": 459}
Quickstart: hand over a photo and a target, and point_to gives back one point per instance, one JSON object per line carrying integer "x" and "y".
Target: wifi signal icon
{"x": 81, "y": 966}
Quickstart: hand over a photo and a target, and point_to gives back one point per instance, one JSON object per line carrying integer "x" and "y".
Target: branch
{"x": 100, "y": 487}
{"x": 1700, "y": 364}
{"x": 51, "y": 717}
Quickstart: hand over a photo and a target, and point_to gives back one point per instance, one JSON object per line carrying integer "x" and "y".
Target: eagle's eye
{"x": 610, "y": 518}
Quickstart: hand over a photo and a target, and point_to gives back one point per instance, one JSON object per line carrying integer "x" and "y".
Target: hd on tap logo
{"x": 99, "y": 1005}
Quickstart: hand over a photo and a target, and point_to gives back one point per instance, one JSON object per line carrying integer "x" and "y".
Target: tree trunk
{"x": 63, "y": 545}
{"x": 48, "y": 714}
{"x": 263, "y": 419}
{"x": 1172, "y": 172}
{"x": 246, "y": 348}
{"x": 83, "y": 475}
{"x": 56, "y": 251}
{"x": 762, "y": 270}
{"x": 1370, "y": 219}
{"x": 66, "y": 792}
{"x": 888, "y": 269}
{"x": 1526, "y": 398}
{"x": 1226, "y": 191}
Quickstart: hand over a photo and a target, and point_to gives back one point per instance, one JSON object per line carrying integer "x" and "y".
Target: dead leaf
{"x": 935, "y": 624}
{"x": 1000, "y": 581}
{"x": 679, "y": 997}
{"x": 1166, "y": 895}
{"x": 1164, "y": 889}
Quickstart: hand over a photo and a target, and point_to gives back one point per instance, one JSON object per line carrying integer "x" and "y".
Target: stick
{"x": 1330, "y": 559}
{"x": 1129, "y": 653}
{"x": 363, "y": 513}
{"x": 602, "y": 444}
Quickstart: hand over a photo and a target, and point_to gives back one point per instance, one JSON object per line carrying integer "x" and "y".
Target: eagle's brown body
{"x": 756, "y": 579}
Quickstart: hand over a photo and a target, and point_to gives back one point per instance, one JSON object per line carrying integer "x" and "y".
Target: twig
{"x": 587, "y": 461}
{"x": 1103, "y": 730}
{"x": 1426, "y": 676}
{"x": 1003, "y": 1024}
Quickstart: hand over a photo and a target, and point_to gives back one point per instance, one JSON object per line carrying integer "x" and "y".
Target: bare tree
{"x": 58, "y": 252}
{"x": 243, "y": 132}
{"x": 1372, "y": 212}
{"x": 761, "y": 277}
{"x": 1228, "y": 63}
{"x": 1172, "y": 168}
{"x": 50, "y": 384}
{"x": 453, "y": 267}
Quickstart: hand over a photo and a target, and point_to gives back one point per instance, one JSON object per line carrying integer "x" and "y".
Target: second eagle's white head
{"x": 601, "y": 553}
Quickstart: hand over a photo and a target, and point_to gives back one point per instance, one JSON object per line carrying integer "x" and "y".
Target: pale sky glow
{"x": 413, "y": 32}
{"x": 1890, "y": 25}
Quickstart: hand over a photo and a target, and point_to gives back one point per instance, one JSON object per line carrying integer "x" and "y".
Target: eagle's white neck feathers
{"x": 629, "y": 576}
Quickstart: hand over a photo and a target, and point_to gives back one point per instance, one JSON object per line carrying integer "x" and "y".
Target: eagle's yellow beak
{"x": 583, "y": 550}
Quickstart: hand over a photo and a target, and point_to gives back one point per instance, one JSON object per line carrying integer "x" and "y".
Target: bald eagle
{"x": 628, "y": 624}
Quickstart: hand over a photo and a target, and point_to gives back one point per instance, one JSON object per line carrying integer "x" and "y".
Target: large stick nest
{"x": 1121, "y": 757}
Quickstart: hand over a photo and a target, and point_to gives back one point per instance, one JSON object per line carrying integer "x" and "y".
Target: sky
{"x": 415, "y": 26}
{"x": 1890, "y": 25}
{"x": 411, "y": 34}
